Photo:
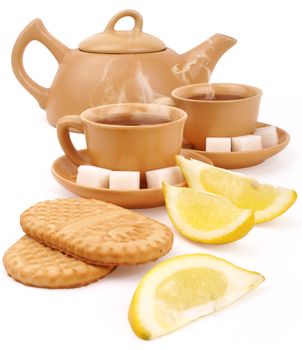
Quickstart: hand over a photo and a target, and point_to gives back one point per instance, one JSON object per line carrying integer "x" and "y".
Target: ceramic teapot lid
{"x": 123, "y": 41}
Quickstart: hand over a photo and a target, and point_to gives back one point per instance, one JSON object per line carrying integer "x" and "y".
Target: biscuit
{"x": 97, "y": 232}
{"x": 37, "y": 265}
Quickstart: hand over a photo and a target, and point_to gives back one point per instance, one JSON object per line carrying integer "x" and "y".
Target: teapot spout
{"x": 197, "y": 65}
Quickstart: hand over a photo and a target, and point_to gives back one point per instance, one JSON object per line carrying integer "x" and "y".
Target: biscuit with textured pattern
{"x": 37, "y": 265}
{"x": 97, "y": 232}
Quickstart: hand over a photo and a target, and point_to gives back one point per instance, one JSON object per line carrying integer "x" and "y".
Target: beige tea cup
{"x": 128, "y": 136}
{"x": 217, "y": 110}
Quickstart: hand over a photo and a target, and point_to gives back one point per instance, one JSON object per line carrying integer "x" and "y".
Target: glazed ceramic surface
{"x": 217, "y": 118}
{"x": 114, "y": 67}
{"x": 237, "y": 160}
{"x": 65, "y": 173}
{"x": 125, "y": 147}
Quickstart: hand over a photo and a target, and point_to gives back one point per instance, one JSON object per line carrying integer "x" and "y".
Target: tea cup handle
{"x": 63, "y": 132}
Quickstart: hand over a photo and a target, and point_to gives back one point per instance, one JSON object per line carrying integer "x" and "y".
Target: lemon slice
{"x": 266, "y": 201}
{"x": 185, "y": 288}
{"x": 205, "y": 217}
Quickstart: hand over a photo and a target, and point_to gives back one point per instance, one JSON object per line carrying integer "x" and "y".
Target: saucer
{"x": 64, "y": 171}
{"x": 237, "y": 160}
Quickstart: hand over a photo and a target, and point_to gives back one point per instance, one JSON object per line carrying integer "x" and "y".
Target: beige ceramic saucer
{"x": 65, "y": 172}
{"x": 237, "y": 160}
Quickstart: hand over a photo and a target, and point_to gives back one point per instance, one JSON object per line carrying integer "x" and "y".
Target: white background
{"x": 268, "y": 55}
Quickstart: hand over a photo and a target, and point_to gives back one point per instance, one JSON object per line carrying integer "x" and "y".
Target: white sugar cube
{"x": 218, "y": 144}
{"x": 92, "y": 176}
{"x": 171, "y": 175}
{"x": 246, "y": 143}
{"x": 269, "y": 135}
{"x": 124, "y": 180}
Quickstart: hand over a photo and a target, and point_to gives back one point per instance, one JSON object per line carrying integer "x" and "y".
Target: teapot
{"x": 115, "y": 66}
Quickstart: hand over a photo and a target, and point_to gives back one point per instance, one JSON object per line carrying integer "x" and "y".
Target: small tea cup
{"x": 217, "y": 110}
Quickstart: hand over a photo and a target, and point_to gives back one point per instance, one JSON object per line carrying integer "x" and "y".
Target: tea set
{"x": 139, "y": 103}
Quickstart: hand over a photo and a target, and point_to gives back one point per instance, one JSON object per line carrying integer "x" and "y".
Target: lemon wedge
{"x": 185, "y": 288}
{"x": 266, "y": 201}
{"x": 205, "y": 217}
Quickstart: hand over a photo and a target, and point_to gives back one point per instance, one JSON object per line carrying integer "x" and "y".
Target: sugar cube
{"x": 92, "y": 176}
{"x": 218, "y": 144}
{"x": 171, "y": 175}
{"x": 246, "y": 143}
{"x": 269, "y": 135}
{"x": 124, "y": 180}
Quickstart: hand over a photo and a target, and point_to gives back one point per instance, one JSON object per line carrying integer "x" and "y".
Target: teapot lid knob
{"x": 123, "y": 41}
{"x": 138, "y": 20}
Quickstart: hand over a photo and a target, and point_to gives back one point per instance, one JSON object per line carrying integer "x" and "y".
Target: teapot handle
{"x": 35, "y": 30}
{"x": 138, "y": 20}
